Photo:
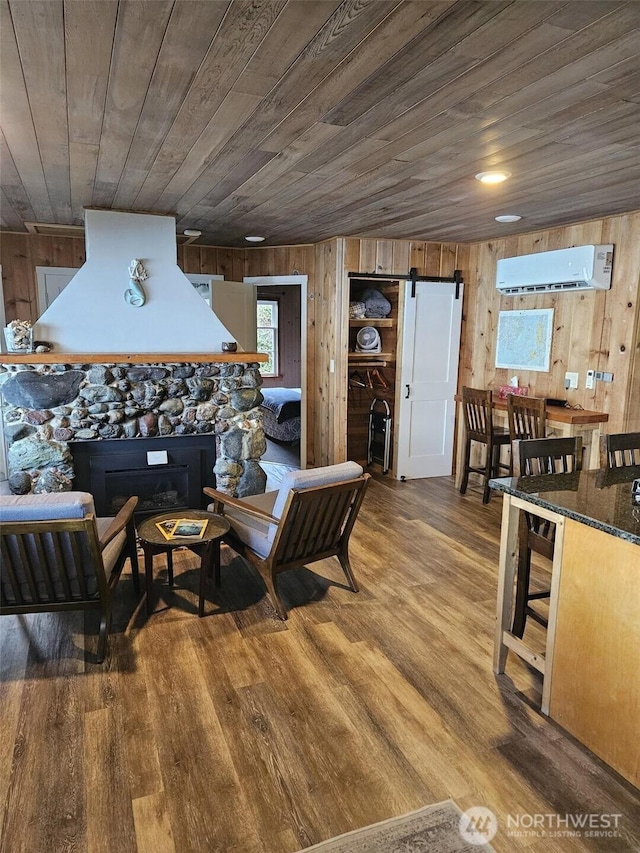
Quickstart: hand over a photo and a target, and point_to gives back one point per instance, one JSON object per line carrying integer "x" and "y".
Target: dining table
{"x": 562, "y": 422}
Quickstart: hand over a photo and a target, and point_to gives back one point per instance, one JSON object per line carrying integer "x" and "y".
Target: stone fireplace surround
{"x": 55, "y": 400}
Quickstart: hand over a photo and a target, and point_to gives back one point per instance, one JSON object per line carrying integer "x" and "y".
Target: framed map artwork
{"x": 524, "y": 339}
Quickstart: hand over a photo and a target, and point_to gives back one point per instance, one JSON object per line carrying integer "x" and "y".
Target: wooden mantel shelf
{"x": 131, "y": 358}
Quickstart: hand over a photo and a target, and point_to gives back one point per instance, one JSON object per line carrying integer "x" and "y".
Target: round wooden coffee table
{"x": 207, "y": 547}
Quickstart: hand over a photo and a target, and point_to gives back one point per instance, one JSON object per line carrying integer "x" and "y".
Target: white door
{"x": 51, "y": 282}
{"x": 428, "y": 376}
{"x": 236, "y": 305}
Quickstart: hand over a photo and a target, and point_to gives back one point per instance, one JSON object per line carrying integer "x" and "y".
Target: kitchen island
{"x": 591, "y": 663}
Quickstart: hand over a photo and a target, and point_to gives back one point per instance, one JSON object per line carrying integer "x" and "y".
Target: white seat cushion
{"x": 259, "y": 535}
{"x": 46, "y": 507}
{"x": 255, "y": 533}
{"x": 314, "y": 477}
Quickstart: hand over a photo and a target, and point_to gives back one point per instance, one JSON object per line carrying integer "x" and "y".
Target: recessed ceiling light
{"x": 192, "y": 232}
{"x": 492, "y": 177}
{"x": 508, "y": 217}
{"x": 255, "y": 239}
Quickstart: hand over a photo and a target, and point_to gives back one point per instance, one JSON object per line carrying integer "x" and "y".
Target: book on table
{"x": 180, "y": 528}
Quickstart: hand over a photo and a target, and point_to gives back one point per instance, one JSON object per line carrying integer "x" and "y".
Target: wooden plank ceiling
{"x": 304, "y": 119}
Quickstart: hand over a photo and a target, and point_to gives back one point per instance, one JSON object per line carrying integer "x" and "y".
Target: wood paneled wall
{"x": 327, "y": 434}
{"x": 593, "y": 329}
{"x": 231, "y": 263}
{"x": 20, "y": 254}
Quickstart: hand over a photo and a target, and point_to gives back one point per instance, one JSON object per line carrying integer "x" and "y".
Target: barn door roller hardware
{"x": 413, "y": 277}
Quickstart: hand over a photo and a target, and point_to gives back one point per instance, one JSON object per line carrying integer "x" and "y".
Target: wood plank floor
{"x": 237, "y": 732}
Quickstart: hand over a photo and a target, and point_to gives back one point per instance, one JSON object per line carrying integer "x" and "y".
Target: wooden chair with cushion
{"x": 620, "y": 450}
{"x": 477, "y": 408}
{"x": 310, "y": 517}
{"x": 56, "y": 555}
{"x": 538, "y": 457}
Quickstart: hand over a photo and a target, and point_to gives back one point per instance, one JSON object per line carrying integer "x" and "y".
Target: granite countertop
{"x": 600, "y": 498}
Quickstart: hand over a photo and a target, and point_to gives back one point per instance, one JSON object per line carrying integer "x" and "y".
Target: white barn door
{"x": 428, "y": 377}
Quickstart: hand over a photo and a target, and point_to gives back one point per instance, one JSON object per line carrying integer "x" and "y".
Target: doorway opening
{"x": 286, "y": 426}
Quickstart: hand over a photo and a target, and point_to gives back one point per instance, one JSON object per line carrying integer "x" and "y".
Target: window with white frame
{"x": 268, "y": 335}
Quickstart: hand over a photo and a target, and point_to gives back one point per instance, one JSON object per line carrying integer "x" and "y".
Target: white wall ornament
{"x": 136, "y": 296}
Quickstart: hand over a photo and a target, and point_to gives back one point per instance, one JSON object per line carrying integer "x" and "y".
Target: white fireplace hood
{"x": 92, "y": 315}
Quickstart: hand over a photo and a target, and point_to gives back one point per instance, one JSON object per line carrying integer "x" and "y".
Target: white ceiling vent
{"x": 577, "y": 268}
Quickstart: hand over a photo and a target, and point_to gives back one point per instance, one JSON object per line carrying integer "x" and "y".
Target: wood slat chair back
{"x": 547, "y": 456}
{"x": 49, "y": 563}
{"x": 538, "y": 457}
{"x": 318, "y": 523}
{"x": 63, "y": 564}
{"x": 619, "y": 450}
{"x": 477, "y": 409}
{"x": 315, "y": 524}
{"x": 477, "y": 406}
{"x": 527, "y": 417}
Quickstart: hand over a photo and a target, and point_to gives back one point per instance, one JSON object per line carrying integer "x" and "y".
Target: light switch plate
{"x": 571, "y": 379}
{"x": 590, "y": 379}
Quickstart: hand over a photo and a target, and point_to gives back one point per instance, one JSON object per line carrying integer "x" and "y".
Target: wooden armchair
{"x": 56, "y": 555}
{"x": 310, "y": 517}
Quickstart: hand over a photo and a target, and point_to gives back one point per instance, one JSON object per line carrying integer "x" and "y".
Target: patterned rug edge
{"x": 438, "y": 824}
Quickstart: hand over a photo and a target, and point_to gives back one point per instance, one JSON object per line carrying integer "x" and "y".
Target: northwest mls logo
{"x": 478, "y": 825}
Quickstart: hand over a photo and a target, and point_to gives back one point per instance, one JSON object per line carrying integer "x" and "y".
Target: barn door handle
{"x": 408, "y": 390}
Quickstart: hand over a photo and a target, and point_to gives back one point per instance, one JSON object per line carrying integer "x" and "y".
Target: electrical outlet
{"x": 590, "y": 382}
{"x": 571, "y": 380}
{"x": 607, "y": 377}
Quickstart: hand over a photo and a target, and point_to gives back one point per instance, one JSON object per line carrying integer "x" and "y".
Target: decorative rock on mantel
{"x": 55, "y": 399}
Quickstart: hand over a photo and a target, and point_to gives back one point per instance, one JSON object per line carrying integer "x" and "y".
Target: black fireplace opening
{"x": 165, "y": 474}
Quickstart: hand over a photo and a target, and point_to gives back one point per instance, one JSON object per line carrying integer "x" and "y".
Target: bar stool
{"x": 477, "y": 406}
{"x": 619, "y": 450}
{"x": 527, "y": 417}
{"x": 535, "y": 457}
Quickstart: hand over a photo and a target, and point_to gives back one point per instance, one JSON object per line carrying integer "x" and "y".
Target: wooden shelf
{"x": 375, "y": 357}
{"x": 359, "y": 398}
{"x": 368, "y": 364}
{"x": 379, "y": 322}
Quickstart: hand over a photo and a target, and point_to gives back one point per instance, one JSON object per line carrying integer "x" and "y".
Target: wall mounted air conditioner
{"x": 577, "y": 268}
